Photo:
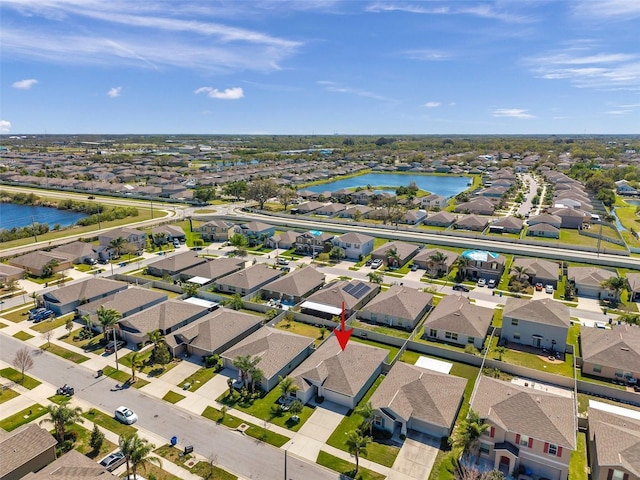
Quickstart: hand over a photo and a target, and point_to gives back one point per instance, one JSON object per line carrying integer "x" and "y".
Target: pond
{"x": 444, "y": 185}
{"x": 12, "y": 215}
{"x": 633, "y": 202}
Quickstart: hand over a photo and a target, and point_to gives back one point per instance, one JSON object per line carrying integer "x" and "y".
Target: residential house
{"x": 570, "y": 217}
{"x": 284, "y": 240}
{"x": 440, "y": 219}
{"x": 327, "y": 302}
{"x": 77, "y": 251}
{"x": 425, "y": 259}
{"x": 167, "y": 317}
{"x": 295, "y": 286}
{"x": 279, "y": 353}
{"x": 414, "y": 217}
{"x": 355, "y": 211}
{"x": 307, "y": 207}
{"x": 472, "y": 222}
{"x": 355, "y": 245}
{"x": 73, "y": 465}
{"x": 67, "y": 299}
{"x": 129, "y": 235}
{"x": 35, "y": 263}
{"x": 417, "y": 399}
{"x": 587, "y": 281}
{"x": 399, "y": 306}
{"x": 336, "y": 375}
{"x": 126, "y": 302}
{"x": 456, "y": 320}
{"x": 169, "y": 233}
{"x": 539, "y": 323}
{"x": 633, "y": 279}
{"x": 26, "y": 449}
{"x": 614, "y": 442}
{"x": 309, "y": 243}
{"x": 212, "y": 334}
{"x": 530, "y": 430}
{"x": 433, "y": 202}
{"x": 247, "y": 281}
{"x": 330, "y": 209}
{"x": 403, "y": 253}
{"x": 482, "y": 264}
{"x": 9, "y": 273}
{"x": 363, "y": 197}
{"x": 479, "y": 206}
{"x": 545, "y": 218}
{"x": 174, "y": 264}
{"x": 508, "y": 224}
{"x": 212, "y": 269}
{"x": 537, "y": 270}
{"x": 215, "y": 231}
{"x": 255, "y": 232}
{"x": 342, "y": 195}
{"x": 623, "y": 187}
{"x": 611, "y": 353}
{"x": 543, "y": 230}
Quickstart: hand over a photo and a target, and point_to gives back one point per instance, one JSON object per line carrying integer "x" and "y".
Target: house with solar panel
{"x": 327, "y": 302}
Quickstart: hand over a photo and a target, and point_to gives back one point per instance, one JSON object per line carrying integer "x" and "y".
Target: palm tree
{"x": 256, "y": 377}
{"x": 135, "y": 365}
{"x": 375, "y": 277}
{"x": 287, "y": 386}
{"x": 519, "y": 270}
{"x": 244, "y": 364}
{"x": 616, "y": 284}
{"x": 107, "y": 318}
{"x": 468, "y": 432}
{"x": 140, "y": 454}
{"x": 393, "y": 258}
{"x": 63, "y": 416}
{"x": 47, "y": 269}
{"x": 438, "y": 259}
{"x": 156, "y": 337}
{"x": 160, "y": 238}
{"x": 367, "y": 413}
{"x": 125, "y": 442}
{"x": 116, "y": 245}
{"x": 357, "y": 445}
{"x": 462, "y": 263}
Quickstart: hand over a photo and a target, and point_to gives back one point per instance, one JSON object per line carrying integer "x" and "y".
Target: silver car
{"x": 126, "y": 416}
{"x": 113, "y": 461}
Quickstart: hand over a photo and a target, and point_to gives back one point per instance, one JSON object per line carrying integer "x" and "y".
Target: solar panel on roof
{"x": 358, "y": 290}
{"x": 348, "y": 287}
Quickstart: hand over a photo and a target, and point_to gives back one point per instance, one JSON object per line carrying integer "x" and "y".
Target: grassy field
{"x": 19, "y": 314}
{"x": 23, "y": 417}
{"x": 304, "y": 329}
{"x": 198, "y": 378}
{"x": 173, "y": 397}
{"x": 345, "y": 468}
{"x": 7, "y": 394}
{"x": 123, "y": 377}
{"x": 394, "y": 332}
{"x": 82, "y": 443}
{"x": 64, "y": 353}
{"x": 393, "y": 351}
{"x": 3, "y": 325}
{"x": 22, "y": 335}
{"x": 51, "y": 324}
{"x": 108, "y": 422}
{"x": 148, "y": 367}
{"x": 202, "y": 469}
{"x": 578, "y": 462}
{"x": 15, "y": 376}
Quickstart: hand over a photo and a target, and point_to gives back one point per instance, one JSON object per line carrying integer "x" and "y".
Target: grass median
{"x": 23, "y": 417}
{"x": 15, "y": 376}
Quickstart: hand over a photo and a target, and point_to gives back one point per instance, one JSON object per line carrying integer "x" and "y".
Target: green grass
{"x": 22, "y": 417}
{"x": 201, "y": 469}
{"x": 58, "y": 399}
{"x": 123, "y": 377}
{"x": 524, "y": 359}
{"x": 19, "y": 314}
{"x": 304, "y": 329}
{"x": 108, "y": 422}
{"x": 583, "y": 403}
{"x": 83, "y": 442}
{"x": 267, "y": 408}
{"x": 394, "y": 332}
{"x": 198, "y": 378}
{"x": 578, "y": 462}
{"x": 64, "y": 353}
{"x": 51, "y": 324}
{"x": 173, "y": 397}
{"x": 22, "y": 335}
{"x": 3, "y": 325}
{"x": 92, "y": 345}
{"x": 7, "y": 394}
{"x": 346, "y": 468}
{"x": 393, "y": 351}
{"x": 227, "y": 420}
{"x": 15, "y": 376}
{"x": 148, "y": 367}
{"x": 378, "y": 452}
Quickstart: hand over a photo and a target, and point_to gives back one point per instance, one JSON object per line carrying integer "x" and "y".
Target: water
{"x": 12, "y": 215}
{"x": 439, "y": 184}
{"x": 618, "y": 224}
{"x": 633, "y": 202}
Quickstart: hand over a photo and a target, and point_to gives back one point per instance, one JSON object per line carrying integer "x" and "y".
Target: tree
{"x": 156, "y": 337}
{"x": 285, "y": 196}
{"x": 367, "y": 413}
{"x": 69, "y": 325}
{"x": 337, "y": 253}
{"x": 116, "y": 245}
{"x": 467, "y": 434}
{"x": 236, "y": 302}
{"x": 295, "y": 409}
{"x": 374, "y": 277}
{"x": 159, "y": 238}
{"x": 47, "y": 336}
{"x": 463, "y": 262}
{"x": 287, "y": 386}
{"x": 357, "y": 445}
{"x": 244, "y": 364}
{"x": 500, "y": 350}
{"x": 48, "y": 268}
{"x": 107, "y": 318}
{"x": 519, "y": 270}
{"x": 437, "y": 259}
{"x": 97, "y": 438}
{"x": 256, "y": 377}
{"x": 191, "y": 289}
{"x": 23, "y": 361}
{"x": 63, "y": 416}
{"x": 136, "y": 364}
{"x": 139, "y": 454}
{"x": 230, "y": 385}
{"x": 615, "y": 284}
{"x": 393, "y": 258}
{"x": 261, "y": 191}
{"x": 235, "y": 189}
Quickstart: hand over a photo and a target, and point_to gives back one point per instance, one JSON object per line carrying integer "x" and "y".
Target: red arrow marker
{"x": 343, "y": 335}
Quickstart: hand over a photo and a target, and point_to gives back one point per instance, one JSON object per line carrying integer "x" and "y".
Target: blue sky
{"x": 320, "y": 67}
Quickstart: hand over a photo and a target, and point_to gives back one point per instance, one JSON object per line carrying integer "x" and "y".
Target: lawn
{"x": 202, "y": 469}
{"x": 92, "y": 345}
{"x": 7, "y": 394}
{"x": 51, "y": 324}
{"x": 22, "y": 335}
{"x": 108, "y": 422}
{"x": 583, "y": 403}
{"x": 64, "y": 353}
{"x": 3, "y": 325}
{"x": 83, "y": 439}
{"x": 123, "y": 377}
{"x": 515, "y": 357}
{"x": 148, "y": 367}
{"x": 22, "y": 417}
{"x": 303, "y": 329}
{"x": 393, "y": 332}
{"x": 18, "y": 315}
{"x": 578, "y": 462}
{"x": 393, "y": 351}
{"x": 346, "y": 468}
{"x": 15, "y": 376}
{"x": 58, "y": 399}
{"x": 378, "y": 452}
{"x": 198, "y": 378}
{"x": 173, "y": 397}
{"x": 267, "y": 408}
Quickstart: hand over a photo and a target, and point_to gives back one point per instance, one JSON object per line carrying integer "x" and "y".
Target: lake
{"x": 439, "y": 184}
{"x": 12, "y": 215}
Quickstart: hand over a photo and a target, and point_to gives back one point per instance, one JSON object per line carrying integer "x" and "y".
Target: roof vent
{"x": 626, "y": 349}
{"x": 538, "y": 399}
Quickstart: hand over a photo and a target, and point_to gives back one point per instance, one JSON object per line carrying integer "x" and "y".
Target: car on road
{"x": 282, "y": 261}
{"x": 112, "y": 347}
{"x": 91, "y": 197}
{"x": 539, "y": 287}
{"x": 548, "y": 288}
{"x": 126, "y": 416}
{"x": 491, "y": 283}
{"x": 113, "y": 461}
{"x": 482, "y": 282}
{"x": 376, "y": 263}
{"x": 460, "y": 287}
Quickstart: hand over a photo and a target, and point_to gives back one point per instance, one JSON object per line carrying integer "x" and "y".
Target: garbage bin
{"x": 174, "y": 441}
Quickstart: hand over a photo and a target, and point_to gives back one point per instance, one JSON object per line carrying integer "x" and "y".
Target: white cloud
{"x": 432, "y": 104}
{"x": 460, "y": 8}
{"x": 334, "y": 87}
{"x": 5, "y": 126}
{"x": 606, "y": 9}
{"x": 617, "y": 112}
{"x": 114, "y": 92}
{"x": 511, "y": 112}
{"x": 234, "y": 93}
{"x": 25, "y": 84}
{"x": 426, "y": 54}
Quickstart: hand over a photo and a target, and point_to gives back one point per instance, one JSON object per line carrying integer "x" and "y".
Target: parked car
{"x": 66, "y": 390}
{"x": 112, "y": 347}
{"x": 113, "y": 461}
{"x": 414, "y": 267}
{"x": 43, "y": 315}
{"x": 539, "y": 287}
{"x": 176, "y": 243}
{"x": 368, "y": 263}
{"x": 90, "y": 261}
{"x": 548, "y": 288}
{"x": 103, "y": 261}
{"x": 34, "y": 311}
{"x": 491, "y": 283}
{"x": 126, "y": 416}
{"x": 282, "y": 261}
{"x": 482, "y": 282}
{"x": 460, "y": 287}
{"x": 376, "y": 263}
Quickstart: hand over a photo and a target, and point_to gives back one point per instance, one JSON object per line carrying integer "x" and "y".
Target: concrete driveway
{"x": 416, "y": 458}
{"x": 313, "y": 435}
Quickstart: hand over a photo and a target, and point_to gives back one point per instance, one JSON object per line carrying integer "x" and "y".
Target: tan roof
{"x": 9, "y": 270}
{"x": 618, "y": 347}
{"x": 546, "y": 311}
{"x": 426, "y": 253}
{"x": 21, "y": 445}
{"x": 354, "y": 237}
{"x": 251, "y": 277}
{"x": 616, "y": 438}
{"x": 214, "y": 330}
{"x": 71, "y": 466}
{"x": 38, "y": 259}
{"x": 125, "y": 300}
{"x": 425, "y": 395}
{"x": 163, "y": 316}
{"x": 297, "y": 283}
{"x": 256, "y": 226}
{"x": 335, "y": 369}
{"x": 77, "y": 249}
{"x": 90, "y": 288}
{"x": 404, "y": 249}
{"x": 400, "y": 301}
{"x": 178, "y": 262}
{"x": 634, "y": 281}
{"x": 472, "y": 220}
{"x": 592, "y": 276}
{"x": 335, "y": 293}
{"x": 214, "y": 269}
{"x": 509, "y": 222}
{"x": 545, "y": 416}
{"x": 457, "y": 314}
{"x": 446, "y": 217}
{"x": 538, "y": 267}
{"x": 123, "y": 232}
{"x": 275, "y": 348}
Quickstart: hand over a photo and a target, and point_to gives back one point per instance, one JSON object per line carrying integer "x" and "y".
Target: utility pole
{"x": 115, "y": 347}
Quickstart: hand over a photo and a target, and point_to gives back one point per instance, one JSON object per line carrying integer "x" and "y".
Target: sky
{"x": 319, "y": 67}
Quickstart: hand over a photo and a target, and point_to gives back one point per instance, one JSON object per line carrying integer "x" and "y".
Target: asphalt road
{"x": 240, "y": 454}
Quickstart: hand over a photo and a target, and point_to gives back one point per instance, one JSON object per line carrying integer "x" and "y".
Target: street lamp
{"x": 285, "y": 460}
{"x": 115, "y": 346}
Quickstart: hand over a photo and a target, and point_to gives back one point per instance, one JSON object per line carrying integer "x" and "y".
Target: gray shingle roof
{"x": 178, "y": 262}
{"x": 538, "y": 267}
{"x": 545, "y": 416}
{"x": 21, "y": 445}
{"x": 125, "y": 300}
{"x": 546, "y": 311}
{"x": 400, "y": 301}
{"x": 353, "y": 237}
{"x": 424, "y": 255}
{"x": 593, "y": 276}
{"x": 71, "y": 466}
{"x": 297, "y": 283}
{"x": 634, "y": 281}
{"x": 457, "y": 314}
{"x": 214, "y": 269}
{"x": 425, "y": 395}
{"x": 335, "y": 369}
{"x": 163, "y": 316}
{"x": 334, "y": 294}
{"x": 90, "y": 288}
{"x": 251, "y": 277}
{"x": 618, "y": 347}
{"x": 404, "y": 249}
{"x": 36, "y": 260}
{"x": 617, "y": 440}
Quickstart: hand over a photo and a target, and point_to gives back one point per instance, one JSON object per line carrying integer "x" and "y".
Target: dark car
{"x": 66, "y": 390}
{"x": 42, "y": 315}
{"x": 414, "y": 267}
{"x": 461, "y": 288}
{"x": 368, "y": 263}
{"x": 113, "y": 461}
{"x": 112, "y": 347}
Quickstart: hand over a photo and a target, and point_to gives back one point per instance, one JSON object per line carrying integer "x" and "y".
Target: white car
{"x": 376, "y": 263}
{"x": 126, "y": 416}
{"x": 482, "y": 282}
{"x": 548, "y": 288}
